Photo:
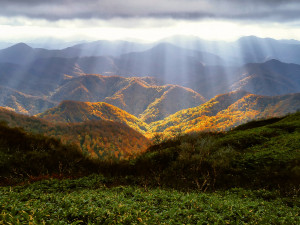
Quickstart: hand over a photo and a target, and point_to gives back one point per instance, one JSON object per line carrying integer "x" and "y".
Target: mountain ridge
{"x": 104, "y": 139}
{"x": 74, "y": 111}
{"x": 226, "y": 111}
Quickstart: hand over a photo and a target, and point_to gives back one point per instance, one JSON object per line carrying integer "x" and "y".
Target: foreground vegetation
{"x": 261, "y": 154}
{"x": 89, "y": 201}
{"x": 250, "y": 174}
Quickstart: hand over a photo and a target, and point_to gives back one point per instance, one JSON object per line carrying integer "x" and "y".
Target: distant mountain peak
{"x": 273, "y": 61}
{"x": 20, "y": 46}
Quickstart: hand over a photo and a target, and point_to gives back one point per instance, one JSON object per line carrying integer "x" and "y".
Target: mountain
{"x": 89, "y": 88}
{"x": 173, "y": 100}
{"x": 38, "y": 79}
{"x": 71, "y": 111}
{"x": 45, "y": 75}
{"x": 133, "y": 95}
{"x": 226, "y": 111}
{"x": 137, "y": 96}
{"x": 110, "y": 48}
{"x": 167, "y": 62}
{"x": 151, "y": 103}
{"x": 270, "y": 78}
{"x": 57, "y": 75}
{"x": 53, "y": 43}
{"x": 255, "y": 50}
{"x": 248, "y": 49}
{"x": 20, "y": 52}
{"x": 23, "y": 103}
{"x": 5, "y": 45}
{"x": 23, "y": 54}
{"x": 103, "y": 138}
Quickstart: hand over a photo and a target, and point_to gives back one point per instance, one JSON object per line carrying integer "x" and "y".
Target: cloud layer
{"x": 273, "y": 10}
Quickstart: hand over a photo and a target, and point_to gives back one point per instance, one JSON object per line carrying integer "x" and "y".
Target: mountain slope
{"x": 134, "y": 95}
{"x": 39, "y": 78}
{"x": 24, "y": 155}
{"x": 103, "y": 138}
{"x": 270, "y": 78}
{"x": 174, "y": 99}
{"x": 262, "y": 153}
{"x": 71, "y": 111}
{"x": 23, "y": 103}
{"x": 167, "y": 62}
{"x": 20, "y": 53}
{"x": 89, "y": 88}
{"x": 227, "y": 110}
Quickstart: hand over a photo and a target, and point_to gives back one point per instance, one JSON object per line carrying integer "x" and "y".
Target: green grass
{"x": 89, "y": 201}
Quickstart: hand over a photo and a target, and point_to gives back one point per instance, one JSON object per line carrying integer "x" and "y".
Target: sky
{"x": 147, "y": 20}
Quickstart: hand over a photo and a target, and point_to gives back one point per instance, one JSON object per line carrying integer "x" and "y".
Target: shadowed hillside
{"x": 23, "y": 103}
{"x": 270, "y": 78}
{"x": 25, "y": 155}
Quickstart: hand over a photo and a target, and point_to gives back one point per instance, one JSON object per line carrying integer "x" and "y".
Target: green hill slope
{"x": 259, "y": 154}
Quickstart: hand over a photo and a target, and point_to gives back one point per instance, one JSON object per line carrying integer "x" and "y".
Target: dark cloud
{"x": 278, "y": 10}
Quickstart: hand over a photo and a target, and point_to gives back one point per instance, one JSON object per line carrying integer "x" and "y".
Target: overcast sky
{"x": 148, "y": 20}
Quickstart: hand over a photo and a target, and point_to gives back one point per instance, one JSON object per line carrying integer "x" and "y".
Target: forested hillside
{"x": 227, "y": 111}
{"x": 71, "y": 112}
{"x": 102, "y": 139}
{"x": 259, "y": 154}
